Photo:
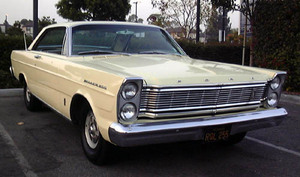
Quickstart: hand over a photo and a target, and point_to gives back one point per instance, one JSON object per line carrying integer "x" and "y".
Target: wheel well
{"x": 22, "y": 79}
{"x": 78, "y": 101}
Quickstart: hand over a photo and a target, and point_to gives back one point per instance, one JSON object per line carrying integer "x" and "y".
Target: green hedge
{"x": 7, "y": 44}
{"x": 222, "y": 52}
{"x": 276, "y": 27}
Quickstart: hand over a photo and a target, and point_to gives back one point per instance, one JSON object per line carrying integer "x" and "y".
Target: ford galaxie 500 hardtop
{"x": 130, "y": 84}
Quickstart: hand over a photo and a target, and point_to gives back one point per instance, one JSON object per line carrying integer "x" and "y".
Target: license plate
{"x": 214, "y": 134}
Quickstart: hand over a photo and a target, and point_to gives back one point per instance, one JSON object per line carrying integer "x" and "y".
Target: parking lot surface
{"x": 45, "y": 144}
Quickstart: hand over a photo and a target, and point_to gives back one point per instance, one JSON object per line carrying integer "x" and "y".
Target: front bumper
{"x": 183, "y": 130}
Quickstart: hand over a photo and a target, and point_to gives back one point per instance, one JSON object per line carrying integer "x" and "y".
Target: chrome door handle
{"x": 37, "y": 56}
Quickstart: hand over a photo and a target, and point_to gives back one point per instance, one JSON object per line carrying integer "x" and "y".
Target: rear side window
{"x": 51, "y": 41}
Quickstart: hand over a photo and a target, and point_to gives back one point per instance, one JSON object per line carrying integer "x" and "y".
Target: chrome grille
{"x": 168, "y": 99}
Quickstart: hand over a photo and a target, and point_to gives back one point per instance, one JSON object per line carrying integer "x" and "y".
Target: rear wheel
{"x": 31, "y": 102}
{"x": 95, "y": 147}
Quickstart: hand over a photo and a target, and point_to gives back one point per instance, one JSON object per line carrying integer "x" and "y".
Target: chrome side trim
{"x": 191, "y": 129}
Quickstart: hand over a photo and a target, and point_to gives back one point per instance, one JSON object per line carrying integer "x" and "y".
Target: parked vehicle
{"x": 130, "y": 84}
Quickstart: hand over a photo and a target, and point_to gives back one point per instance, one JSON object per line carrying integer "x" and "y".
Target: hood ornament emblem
{"x": 179, "y": 81}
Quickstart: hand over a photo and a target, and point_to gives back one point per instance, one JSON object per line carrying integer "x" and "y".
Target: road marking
{"x": 273, "y": 146}
{"x": 23, "y": 163}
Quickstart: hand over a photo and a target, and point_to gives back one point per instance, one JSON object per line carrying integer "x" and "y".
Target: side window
{"x": 51, "y": 41}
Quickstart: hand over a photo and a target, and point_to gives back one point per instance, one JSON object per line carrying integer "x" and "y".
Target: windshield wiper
{"x": 95, "y": 52}
{"x": 158, "y": 52}
{"x": 102, "y": 52}
{"x": 152, "y": 52}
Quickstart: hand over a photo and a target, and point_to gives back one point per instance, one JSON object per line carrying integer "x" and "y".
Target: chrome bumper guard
{"x": 184, "y": 130}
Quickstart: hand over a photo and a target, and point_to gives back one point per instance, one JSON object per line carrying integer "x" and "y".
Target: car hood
{"x": 178, "y": 70}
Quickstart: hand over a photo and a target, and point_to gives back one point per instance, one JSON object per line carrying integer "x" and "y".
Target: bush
{"x": 222, "y": 52}
{"x": 276, "y": 28}
{"x": 7, "y": 44}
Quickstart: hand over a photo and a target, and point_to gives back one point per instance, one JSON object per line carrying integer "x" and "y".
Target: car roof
{"x": 78, "y": 23}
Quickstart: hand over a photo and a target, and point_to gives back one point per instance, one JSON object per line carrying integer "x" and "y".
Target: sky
{"x": 19, "y": 9}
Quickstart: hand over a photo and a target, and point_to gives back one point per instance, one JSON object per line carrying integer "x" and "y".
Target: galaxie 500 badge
{"x": 95, "y": 84}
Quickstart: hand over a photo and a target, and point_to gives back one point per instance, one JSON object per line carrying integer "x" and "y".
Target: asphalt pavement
{"x": 45, "y": 144}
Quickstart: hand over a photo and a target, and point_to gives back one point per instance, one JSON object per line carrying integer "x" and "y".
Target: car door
{"x": 45, "y": 55}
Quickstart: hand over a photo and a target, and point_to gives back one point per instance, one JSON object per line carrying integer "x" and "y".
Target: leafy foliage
{"x": 181, "y": 13}
{"x": 45, "y": 21}
{"x": 277, "y": 35}
{"x": 214, "y": 23}
{"x": 134, "y": 18}
{"x": 221, "y": 52}
{"x": 78, "y": 10}
{"x": 7, "y": 44}
{"x": 158, "y": 20}
{"x": 14, "y": 31}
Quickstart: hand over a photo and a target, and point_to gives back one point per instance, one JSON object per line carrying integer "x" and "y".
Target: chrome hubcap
{"x": 28, "y": 94}
{"x": 92, "y": 133}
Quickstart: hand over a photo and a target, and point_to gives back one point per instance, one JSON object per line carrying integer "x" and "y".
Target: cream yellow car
{"x": 129, "y": 84}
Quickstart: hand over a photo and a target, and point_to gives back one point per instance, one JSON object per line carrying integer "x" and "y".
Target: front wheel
{"x": 95, "y": 147}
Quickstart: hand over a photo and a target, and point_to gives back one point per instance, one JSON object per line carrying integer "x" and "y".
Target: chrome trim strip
{"x": 69, "y": 41}
{"x": 200, "y": 107}
{"x": 205, "y": 85}
{"x": 191, "y": 129}
{"x": 202, "y": 88}
{"x": 11, "y": 72}
{"x": 195, "y": 112}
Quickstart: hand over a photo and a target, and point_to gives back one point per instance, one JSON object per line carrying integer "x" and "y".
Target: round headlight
{"x": 129, "y": 91}
{"x": 272, "y": 99}
{"x": 128, "y": 111}
{"x": 275, "y": 83}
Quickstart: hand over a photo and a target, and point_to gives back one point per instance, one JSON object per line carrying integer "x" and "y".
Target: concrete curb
{"x": 19, "y": 92}
{"x": 11, "y": 92}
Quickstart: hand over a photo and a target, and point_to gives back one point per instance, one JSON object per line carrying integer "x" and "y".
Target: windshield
{"x": 122, "y": 39}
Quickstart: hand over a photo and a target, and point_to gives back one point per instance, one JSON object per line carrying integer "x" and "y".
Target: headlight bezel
{"x": 133, "y": 99}
{"x": 272, "y": 89}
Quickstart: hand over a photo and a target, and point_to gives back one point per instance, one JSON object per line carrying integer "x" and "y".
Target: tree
{"x": 158, "y": 20}
{"x": 25, "y": 21}
{"x": 212, "y": 29}
{"x": 133, "y": 17}
{"x": 277, "y": 34}
{"x": 234, "y": 37}
{"x": 182, "y": 12}
{"x": 14, "y": 31}
{"x": 214, "y": 24}
{"x": 78, "y": 10}
{"x": 45, "y": 21}
{"x": 246, "y": 7}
